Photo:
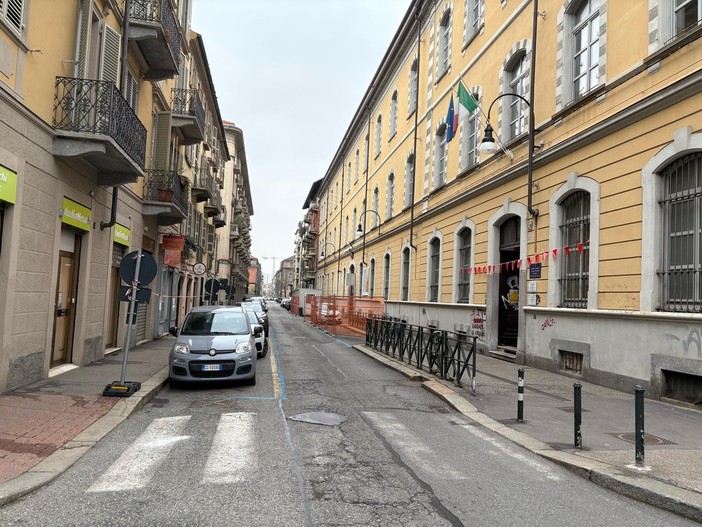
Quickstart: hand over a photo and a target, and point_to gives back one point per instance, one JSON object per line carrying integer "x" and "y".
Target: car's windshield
{"x": 216, "y": 323}
{"x": 256, "y": 306}
{"x": 253, "y": 317}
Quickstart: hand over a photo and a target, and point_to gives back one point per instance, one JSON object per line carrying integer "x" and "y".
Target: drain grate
{"x": 649, "y": 439}
{"x": 213, "y": 403}
{"x": 571, "y": 409}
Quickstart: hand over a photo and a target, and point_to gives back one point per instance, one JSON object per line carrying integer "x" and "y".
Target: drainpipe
{"x": 123, "y": 91}
{"x": 416, "y": 120}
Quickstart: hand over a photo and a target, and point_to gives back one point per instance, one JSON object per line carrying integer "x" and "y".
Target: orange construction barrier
{"x": 345, "y": 315}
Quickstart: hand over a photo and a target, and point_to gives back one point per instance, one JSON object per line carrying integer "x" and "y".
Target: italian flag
{"x": 466, "y": 105}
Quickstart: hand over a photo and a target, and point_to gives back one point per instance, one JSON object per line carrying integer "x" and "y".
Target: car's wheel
{"x": 251, "y": 381}
{"x": 265, "y": 350}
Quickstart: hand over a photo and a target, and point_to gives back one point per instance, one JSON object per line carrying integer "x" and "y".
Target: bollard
{"x": 639, "y": 424}
{"x": 520, "y": 395}
{"x": 578, "y": 415}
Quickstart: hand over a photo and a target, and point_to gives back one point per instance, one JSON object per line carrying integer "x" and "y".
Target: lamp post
{"x": 322, "y": 255}
{"x": 488, "y": 144}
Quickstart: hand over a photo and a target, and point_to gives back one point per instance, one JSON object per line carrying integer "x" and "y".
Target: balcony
{"x": 165, "y": 197}
{"x": 233, "y": 231}
{"x": 237, "y": 166}
{"x": 213, "y": 205}
{"x": 153, "y": 26}
{"x": 188, "y": 115}
{"x": 203, "y": 186}
{"x": 95, "y": 123}
{"x": 220, "y": 220}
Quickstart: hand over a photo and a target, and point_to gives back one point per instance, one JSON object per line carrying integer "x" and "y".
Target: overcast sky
{"x": 291, "y": 74}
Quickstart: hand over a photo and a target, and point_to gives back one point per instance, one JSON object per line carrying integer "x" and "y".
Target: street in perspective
{"x": 327, "y": 436}
{"x": 342, "y": 263}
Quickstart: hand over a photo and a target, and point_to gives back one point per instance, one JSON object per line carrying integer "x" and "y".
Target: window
{"x": 474, "y": 17}
{"x": 686, "y": 15}
{"x": 517, "y": 110}
{"x": 353, "y": 224}
{"x": 575, "y": 235}
{"x": 470, "y": 140}
{"x": 356, "y": 165}
{"x": 404, "y": 280}
{"x": 434, "y": 256}
{"x": 346, "y": 231}
{"x": 444, "y": 59}
{"x": 378, "y": 134}
{"x": 386, "y": 276}
{"x": 409, "y": 180}
{"x": 440, "y": 156}
{"x": 132, "y": 90}
{"x": 414, "y": 86}
{"x": 586, "y": 33}
{"x": 372, "y": 277}
{"x": 390, "y": 196}
{"x": 376, "y": 201}
{"x": 12, "y": 12}
{"x": 681, "y": 278}
{"x": 348, "y": 179}
{"x": 464, "y": 259}
{"x": 393, "y": 115}
{"x": 366, "y": 147}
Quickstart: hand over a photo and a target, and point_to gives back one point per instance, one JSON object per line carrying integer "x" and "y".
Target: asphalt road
{"x": 235, "y": 455}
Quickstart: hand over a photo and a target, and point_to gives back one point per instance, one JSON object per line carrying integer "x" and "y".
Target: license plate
{"x": 211, "y": 367}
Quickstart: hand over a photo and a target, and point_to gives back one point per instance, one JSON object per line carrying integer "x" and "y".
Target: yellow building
{"x": 577, "y": 245}
{"x": 111, "y": 141}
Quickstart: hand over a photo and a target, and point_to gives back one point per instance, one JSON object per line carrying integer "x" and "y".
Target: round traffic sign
{"x": 212, "y": 286}
{"x": 199, "y": 268}
{"x": 147, "y": 269}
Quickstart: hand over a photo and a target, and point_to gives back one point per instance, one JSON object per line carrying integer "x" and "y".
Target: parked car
{"x": 214, "y": 344}
{"x": 258, "y": 308}
{"x": 260, "y": 299}
{"x": 285, "y": 303}
{"x": 261, "y": 340}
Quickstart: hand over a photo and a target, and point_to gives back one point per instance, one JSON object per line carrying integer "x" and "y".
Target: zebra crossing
{"x": 231, "y": 457}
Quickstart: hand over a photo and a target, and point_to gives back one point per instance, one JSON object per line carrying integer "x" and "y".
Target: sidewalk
{"x": 47, "y": 426}
{"x": 672, "y": 476}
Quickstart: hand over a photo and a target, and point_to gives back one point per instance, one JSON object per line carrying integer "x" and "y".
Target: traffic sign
{"x": 147, "y": 269}
{"x": 142, "y": 296}
{"x": 212, "y": 286}
{"x": 199, "y": 268}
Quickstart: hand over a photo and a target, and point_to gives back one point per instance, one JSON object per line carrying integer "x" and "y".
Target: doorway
{"x": 508, "y": 290}
{"x": 65, "y": 298}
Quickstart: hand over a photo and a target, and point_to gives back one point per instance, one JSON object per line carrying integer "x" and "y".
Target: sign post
{"x": 136, "y": 268}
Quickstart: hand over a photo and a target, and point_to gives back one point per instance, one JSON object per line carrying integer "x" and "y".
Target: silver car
{"x": 215, "y": 343}
{"x": 261, "y": 340}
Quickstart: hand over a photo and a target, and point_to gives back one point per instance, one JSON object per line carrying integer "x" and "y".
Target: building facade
{"x": 576, "y": 246}
{"x": 111, "y": 143}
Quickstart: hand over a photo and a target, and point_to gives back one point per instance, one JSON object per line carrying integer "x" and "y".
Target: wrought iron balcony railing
{"x": 166, "y": 186}
{"x": 188, "y": 102}
{"x": 160, "y": 12}
{"x": 97, "y": 107}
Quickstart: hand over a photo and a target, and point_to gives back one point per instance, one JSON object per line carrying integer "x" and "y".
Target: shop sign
{"x": 76, "y": 215}
{"x": 172, "y": 249}
{"x": 121, "y": 235}
{"x": 8, "y": 185}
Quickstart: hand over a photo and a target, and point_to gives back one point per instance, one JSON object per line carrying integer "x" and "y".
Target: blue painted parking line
{"x": 278, "y": 377}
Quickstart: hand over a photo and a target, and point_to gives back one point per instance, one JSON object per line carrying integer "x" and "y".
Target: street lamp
{"x": 360, "y": 231}
{"x": 488, "y": 144}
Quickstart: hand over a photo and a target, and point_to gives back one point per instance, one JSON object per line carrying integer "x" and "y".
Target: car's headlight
{"x": 182, "y": 349}
{"x": 244, "y": 347}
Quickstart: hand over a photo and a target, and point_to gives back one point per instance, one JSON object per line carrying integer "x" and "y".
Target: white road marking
{"x": 411, "y": 447}
{"x": 538, "y": 467}
{"x": 138, "y": 464}
{"x": 232, "y": 456}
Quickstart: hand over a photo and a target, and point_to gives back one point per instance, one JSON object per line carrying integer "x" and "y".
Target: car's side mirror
{"x": 173, "y": 331}
{"x": 258, "y": 331}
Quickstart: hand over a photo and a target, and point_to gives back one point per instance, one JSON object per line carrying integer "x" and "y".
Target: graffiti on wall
{"x": 548, "y": 323}
{"x": 691, "y": 345}
{"x": 477, "y": 324}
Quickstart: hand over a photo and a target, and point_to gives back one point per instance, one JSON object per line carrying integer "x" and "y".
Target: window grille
{"x": 575, "y": 262}
{"x": 464, "y": 256}
{"x": 681, "y": 274}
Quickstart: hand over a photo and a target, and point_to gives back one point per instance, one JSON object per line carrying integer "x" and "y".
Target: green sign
{"x": 76, "y": 215}
{"x": 121, "y": 235}
{"x": 8, "y": 185}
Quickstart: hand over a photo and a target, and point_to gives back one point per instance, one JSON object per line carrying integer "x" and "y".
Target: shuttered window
{"x": 109, "y": 56}
{"x": 162, "y": 141}
{"x": 12, "y": 11}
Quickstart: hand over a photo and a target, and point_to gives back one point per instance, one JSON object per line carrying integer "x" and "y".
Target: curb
{"x": 641, "y": 488}
{"x": 60, "y": 460}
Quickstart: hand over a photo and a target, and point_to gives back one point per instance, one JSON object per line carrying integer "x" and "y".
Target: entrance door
{"x": 64, "y": 314}
{"x": 113, "y": 309}
{"x": 508, "y": 318}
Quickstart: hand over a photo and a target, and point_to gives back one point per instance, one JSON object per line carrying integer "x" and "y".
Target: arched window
{"x": 586, "y": 35}
{"x": 574, "y": 263}
{"x": 444, "y": 48}
{"x": 413, "y": 86}
{"x": 393, "y": 114}
{"x": 346, "y": 230}
{"x": 405, "y": 278}
{"x": 371, "y": 277}
{"x": 440, "y": 156}
{"x": 516, "y": 110}
{"x": 386, "y": 276}
{"x": 356, "y": 165}
{"x": 376, "y": 202}
{"x": 434, "y": 269}
{"x": 378, "y": 134}
{"x": 348, "y": 178}
{"x": 464, "y": 241}
{"x": 353, "y": 224}
{"x": 390, "y": 199}
{"x": 409, "y": 180}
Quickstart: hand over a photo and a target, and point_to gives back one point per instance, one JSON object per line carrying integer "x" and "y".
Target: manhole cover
{"x": 571, "y": 409}
{"x": 649, "y": 439}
